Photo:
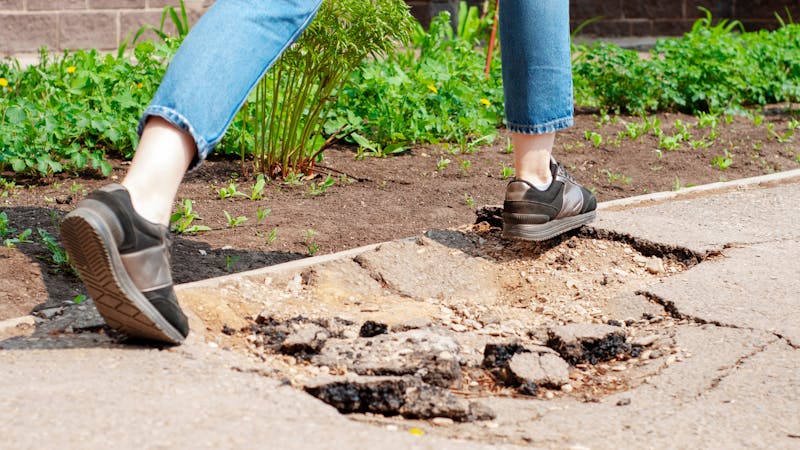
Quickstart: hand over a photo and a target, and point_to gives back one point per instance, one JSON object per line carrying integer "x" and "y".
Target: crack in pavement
{"x": 730, "y": 370}
{"x": 673, "y": 311}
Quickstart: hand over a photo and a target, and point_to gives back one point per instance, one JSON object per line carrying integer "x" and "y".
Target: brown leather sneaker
{"x": 124, "y": 261}
{"x": 534, "y": 215}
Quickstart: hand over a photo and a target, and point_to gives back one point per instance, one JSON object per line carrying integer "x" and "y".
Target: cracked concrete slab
{"x": 674, "y": 408}
{"x": 429, "y": 269}
{"x": 708, "y": 223}
{"x": 753, "y": 287}
{"x": 189, "y": 397}
{"x": 715, "y": 386}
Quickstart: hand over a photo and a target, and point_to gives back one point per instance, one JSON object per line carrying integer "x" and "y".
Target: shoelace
{"x": 561, "y": 170}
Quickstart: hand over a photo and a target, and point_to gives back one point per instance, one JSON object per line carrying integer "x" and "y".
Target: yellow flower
{"x": 416, "y": 432}
{"x": 139, "y": 85}
{"x": 71, "y": 69}
{"x": 486, "y": 102}
{"x": 433, "y": 89}
{"x": 3, "y": 82}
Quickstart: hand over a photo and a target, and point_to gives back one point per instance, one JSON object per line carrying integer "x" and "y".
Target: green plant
{"x": 230, "y": 192}
{"x": 272, "y": 235}
{"x": 426, "y": 92}
{"x": 230, "y": 260}
{"x": 509, "y": 146}
{"x": 257, "y": 192}
{"x": 261, "y": 213}
{"x": 722, "y": 162}
{"x": 465, "y": 165}
{"x": 293, "y": 100}
{"x": 595, "y": 138}
{"x": 320, "y": 188}
{"x": 234, "y": 222}
{"x": 5, "y": 230}
{"x": 58, "y": 255}
{"x": 469, "y": 201}
{"x": 293, "y": 179}
{"x": 22, "y": 238}
{"x": 369, "y": 148}
{"x": 181, "y": 220}
{"x": 78, "y": 299}
{"x": 617, "y": 177}
{"x": 780, "y": 137}
{"x": 506, "y": 172}
{"x": 310, "y": 241}
{"x": 442, "y": 163}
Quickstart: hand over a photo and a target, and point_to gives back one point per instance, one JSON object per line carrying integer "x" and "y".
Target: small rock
{"x": 545, "y": 369}
{"x": 567, "y": 388}
{"x": 624, "y": 402}
{"x": 619, "y": 368}
{"x": 655, "y": 265}
{"x": 458, "y": 328}
{"x": 549, "y": 395}
{"x": 442, "y": 421}
{"x": 647, "y": 354}
{"x": 644, "y": 341}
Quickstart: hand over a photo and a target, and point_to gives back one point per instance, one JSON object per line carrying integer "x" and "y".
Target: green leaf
{"x": 15, "y": 115}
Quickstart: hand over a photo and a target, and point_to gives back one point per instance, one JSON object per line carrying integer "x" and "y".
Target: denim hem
{"x": 548, "y": 127}
{"x": 180, "y": 122}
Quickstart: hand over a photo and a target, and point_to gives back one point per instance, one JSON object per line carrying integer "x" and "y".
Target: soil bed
{"x": 376, "y": 200}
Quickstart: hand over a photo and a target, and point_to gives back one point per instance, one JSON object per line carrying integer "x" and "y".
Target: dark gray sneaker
{"x": 124, "y": 261}
{"x": 535, "y": 215}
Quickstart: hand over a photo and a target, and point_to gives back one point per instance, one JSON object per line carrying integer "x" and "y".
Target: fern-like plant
{"x": 293, "y": 99}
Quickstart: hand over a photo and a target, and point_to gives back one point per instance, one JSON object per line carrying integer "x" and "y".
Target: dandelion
{"x": 433, "y": 89}
{"x": 3, "y": 82}
{"x": 71, "y": 69}
{"x": 485, "y": 102}
{"x": 139, "y": 85}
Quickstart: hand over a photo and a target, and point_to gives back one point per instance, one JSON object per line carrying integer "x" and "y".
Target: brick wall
{"x": 26, "y": 25}
{"x": 673, "y": 17}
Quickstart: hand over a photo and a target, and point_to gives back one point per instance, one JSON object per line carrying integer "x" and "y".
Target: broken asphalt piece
{"x": 308, "y": 338}
{"x": 430, "y": 356}
{"x": 393, "y": 395}
{"x": 493, "y": 215}
{"x": 592, "y": 343}
{"x": 525, "y": 366}
{"x": 428, "y": 269}
{"x": 371, "y": 329}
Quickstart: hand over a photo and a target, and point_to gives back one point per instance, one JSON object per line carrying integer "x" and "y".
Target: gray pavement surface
{"x": 737, "y": 386}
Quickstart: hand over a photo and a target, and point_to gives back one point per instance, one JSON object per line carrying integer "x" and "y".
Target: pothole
{"x": 438, "y": 327}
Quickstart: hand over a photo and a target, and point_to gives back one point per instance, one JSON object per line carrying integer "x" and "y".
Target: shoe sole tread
{"x": 89, "y": 243}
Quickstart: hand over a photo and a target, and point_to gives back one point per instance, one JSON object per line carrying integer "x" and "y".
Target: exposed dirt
{"x": 375, "y": 200}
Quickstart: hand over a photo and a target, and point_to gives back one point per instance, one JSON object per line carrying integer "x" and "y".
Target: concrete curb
{"x": 613, "y": 205}
{"x": 771, "y": 180}
{"x": 284, "y": 267}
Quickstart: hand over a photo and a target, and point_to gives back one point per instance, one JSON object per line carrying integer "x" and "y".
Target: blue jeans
{"x": 236, "y": 41}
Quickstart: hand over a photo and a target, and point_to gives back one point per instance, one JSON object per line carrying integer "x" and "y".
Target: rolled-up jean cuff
{"x": 547, "y": 127}
{"x": 180, "y": 122}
